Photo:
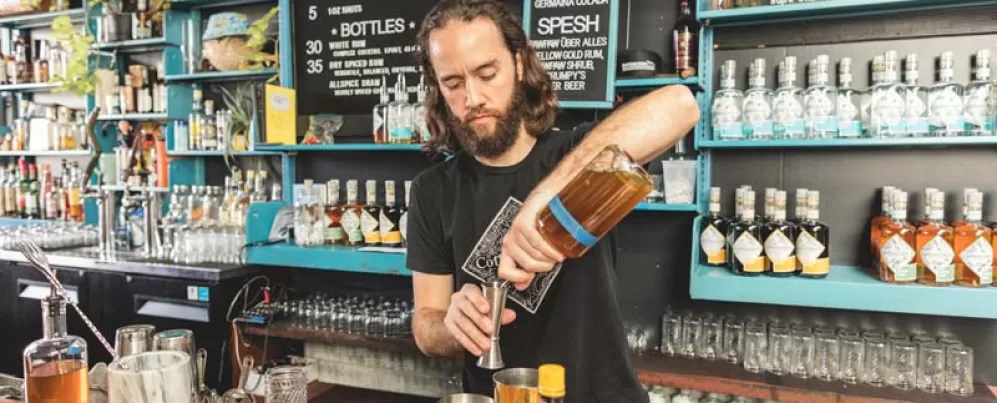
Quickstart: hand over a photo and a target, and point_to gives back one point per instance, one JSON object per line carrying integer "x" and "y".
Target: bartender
{"x": 492, "y": 106}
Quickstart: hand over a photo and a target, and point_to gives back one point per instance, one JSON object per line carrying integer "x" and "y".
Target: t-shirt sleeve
{"x": 562, "y": 142}
{"x": 427, "y": 249}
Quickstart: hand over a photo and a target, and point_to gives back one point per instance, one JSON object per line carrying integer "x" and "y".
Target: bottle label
{"x": 390, "y": 235}
{"x": 851, "y": 128}
{"x": 808, "y": 251}
{"x": 979, "y": 257}
{"x": 727, "y": 118}
{"x": 898, "y": 257}
{"x": 888, "y": 109}
{"x": 826, "y": 124}
{"x": 820, "y": 112}
{"x": 945, "y": 109}
{"x": 351, "y": 224}
{"x": 403, "y": 226}
{"x": 748, "y": 251}
{"x": 334, "y": 235}
{"x": 713, "y": 244}
{"x": 729, "y": 131}
{"x": 368, "y": 225}
{"x": 757, "y": 115}
{"x": 779, "y": 250}
{"x": 977, "y": 108}
{"x": 937, "y": 256}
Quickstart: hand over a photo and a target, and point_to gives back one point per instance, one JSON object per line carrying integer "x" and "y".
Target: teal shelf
{"x": 138, "y": 116}
{"x": 335, "y": 258}
{"x": 340, "y": 147}
{"x": 655, "y": 81}
{"x": 74, "y": 153}
{"x": 134, "y": 45}
{"x": 665, "y": 207}
{"x": 860, "y": 142}
{"x": 845, "y": 288}
{"x": 825, "y": 9}
{"x": 29, "y": 87}
{"x": 39, "y": 20}
{"x": 191, "y": 153}
{"x": 222, "y": 76}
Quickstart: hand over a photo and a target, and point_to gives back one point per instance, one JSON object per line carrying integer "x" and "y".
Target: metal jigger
{"x": 495, "y": 292}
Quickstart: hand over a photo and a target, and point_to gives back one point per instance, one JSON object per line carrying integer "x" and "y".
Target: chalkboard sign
{"x": 343, "y": 47}
{"x": 576, "y": 40}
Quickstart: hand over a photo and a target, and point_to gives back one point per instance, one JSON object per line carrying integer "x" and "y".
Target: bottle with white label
{"x": 370, "y": 217}
{"x": 711, "y": 240}
{"x": 888, "y": 106}
{"x": 916, "y": 97}
{"x": 787, "y": 106}
{"x": 747, "y": 251}
{"x": 849, "y": 123}
{"x": 813, "y": 244}
{"x": 820, "y": 104}
{"x": 727, "y": 103}
{"x": 380, "y": 114}
{"x": 400, "y": 114}
{"x": 978, "y": 102}
{"x": 897, "y": 256}
{"x": 945, "y": 104}
{"x": 974, "y": 255}
{"x": 935, "y": 245}
{"x": 780, "y": 241}
{"x": 757, "y": 104}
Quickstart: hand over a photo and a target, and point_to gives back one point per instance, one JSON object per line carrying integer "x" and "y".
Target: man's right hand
{"x": 468, "y": 319}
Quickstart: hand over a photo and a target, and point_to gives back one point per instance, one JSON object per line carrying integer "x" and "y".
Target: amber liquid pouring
{"x": 598, "y": 199}
{"x": 58, "y": 382}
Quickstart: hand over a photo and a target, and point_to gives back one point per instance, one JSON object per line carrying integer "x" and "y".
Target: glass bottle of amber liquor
{"x": 780, "y": 241}
{"x": 369, "y": 222}
{"x": 711, "y": 240}
{"x": 897, "y": 256}
{"x": 391, "y": 235}
{"x": 334, "y": 234}
{"x": 748, "y": 252}
{"x": 973, "y": 247}
{"x": 879, "y": 220}
{"x": 352, "y": 212}
{"x": 800, "y": 208}
{"x": 55, "y": 367}
{"x": 769, "y": 206}
{"x": 813, "y": 244}
{"x": 927, "y": 207}
{"x": 935, "y": 255}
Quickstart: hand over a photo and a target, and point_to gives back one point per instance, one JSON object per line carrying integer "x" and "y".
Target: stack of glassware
{"x": 662, "y": 394}
{"x": 50, "y": 235}
{"x": 356, "y": 314}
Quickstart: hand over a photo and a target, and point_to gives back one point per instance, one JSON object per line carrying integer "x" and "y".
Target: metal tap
{"x": 152, "y": 207}
{"x": 105, "y": 198}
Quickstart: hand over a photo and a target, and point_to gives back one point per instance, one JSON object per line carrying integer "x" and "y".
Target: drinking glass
{"x": 671, "y": 333}
{"x": 877, "y": 361}
{"x": 780, "y": 350}
{"x": 711, "y": 341}
{"x": 873, "y": 334}
{"x": 903, "y": 361}
{"x": 755, "y": 347}
{"x": 827, "y": 356}
{"x": 733, "y": 346}
{"x": 922, "y": 340}
{"x": 852, "y": 357}
{"x": 959, "y": 370}
{"x": 692, "y": 330}
{"x": 802, "y": 352}
{"x": 287, "y": 384}
{"x": 931, "y": 367}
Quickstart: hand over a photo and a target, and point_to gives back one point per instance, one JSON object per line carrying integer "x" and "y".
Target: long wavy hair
{"x": 540, "y": 101}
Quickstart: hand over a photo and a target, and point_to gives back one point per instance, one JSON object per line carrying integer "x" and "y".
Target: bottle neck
{"x": 899, "y": 215}
{"x": 53, "y": 317}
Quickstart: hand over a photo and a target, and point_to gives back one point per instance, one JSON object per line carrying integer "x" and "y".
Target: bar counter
{"x": 130, "y": 262}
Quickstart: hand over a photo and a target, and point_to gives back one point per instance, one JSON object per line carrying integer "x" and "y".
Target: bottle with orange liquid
{"x": 879, "y": 220}
{"x": 935, "y": 241}
{"x": 965, "y": 208}
{"x": 897, "y": 263}
{"x": 55, "y": 366}
{"x": 974, "y": 253}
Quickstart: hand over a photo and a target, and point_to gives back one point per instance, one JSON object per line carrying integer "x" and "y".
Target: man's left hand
{"x": 524, "y": 251}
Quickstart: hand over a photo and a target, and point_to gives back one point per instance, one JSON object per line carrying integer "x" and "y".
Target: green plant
{"x": 240, "y": 102}
{"x": 79, "y": 78}
{"x": 258, "y": 37}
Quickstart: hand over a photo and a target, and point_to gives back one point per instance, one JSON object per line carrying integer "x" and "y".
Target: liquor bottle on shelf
{"x": 897, "y": 256}
{"x": 33, "y": 197}
{"x": 849, "y": 122}
{"x": 945, "y": 104}
{"x": 878, "y": 221}
{"x": 55, "y": 366}
{"x": 738, "y": 207}
{"x": 22, "y": 63}
{"x": 978, "y": 101}
{"x": 878, "y": 73}
{"x": 769, "y": 206}
{"x": 927, "y": 207}
{"x": 788, "y": 103}
{"x": 40, "y": 67}
{"x": 780, "y": 241}
{"x": 24, "y": 184}
{"x": 800, "y": 207}
{"x": 820, "y": 101}
{"x": 727, "y": 103}
{"x": 352, "y": 212}
{"x": 685, "y": 37}
{"x": 813, "y": 242}
{"x": 369, "y": 222}
{"x": 303, "y": 222}
{"x": 916, "y": 99}
{"x": 711, "y": 239}
{"x": 334, "y": 234}
{"x": 380, "y": 114}
{"x": 757, "y": 104}
{"x": 400, "y": 114}
{"x": 419, "y": 128}
{"x": 973, "y": 247}
{"x": 966, "y": 193}
{"x": 888, "y": 106}
{"x": 209, "y": 132}
{"x": 391, "y": 235}
{"x": 935, "y": 241}
{"x": 403, "y": 219}
{"x": 747, "y": 257}
{"x": 195, "y": 120}
{"x": 67, "y": 136}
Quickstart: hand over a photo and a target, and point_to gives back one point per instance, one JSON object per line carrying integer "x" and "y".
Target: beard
{"x": 478, "y": 140}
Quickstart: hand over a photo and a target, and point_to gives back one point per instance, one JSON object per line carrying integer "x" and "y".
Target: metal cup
{"x": 134, "y": 339}
{"x": 181, "y": 340}
{"x": 516, "y": 385}
{"x": 495, "y": 293}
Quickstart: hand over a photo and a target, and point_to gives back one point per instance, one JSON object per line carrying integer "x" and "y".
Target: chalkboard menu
{"x": 343, "y": 47}
{"x": 576, "y": 40}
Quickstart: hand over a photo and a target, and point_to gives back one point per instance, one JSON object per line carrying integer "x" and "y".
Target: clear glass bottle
{"x": 916, "y": 99}
{"x": 888, "y": 106}
{"x": 849, "y": 121}
{"x": 788, "y": 103}
{"x": 978, "y": 101}
{"x": 935, "y": 245}
{"x": 303, "y": 220}
{"x": 813, "y": 242}
{"x": 334, "y": 233}
{"x": 748, "y": 252}
{"x": 820, "y": 101}
{"x": 400, "y": 114}
{"x": 711, "y": 239}
{"x": 973, "y": 247}
{"x": 194, "y": 121}
{"x": 945, "y": 104}
{"x": 420, "y": 129}
{"x": 866, "y": 95}
{"x": 380, "y": 114}
{"x": 209, "y": 132}
{"x": 727, "y": 102}
{"x": 352, "y": 212}
{"x": 55, "y": 366}
{"x": 757, "y": 104}
{"x": 896, "y": 244}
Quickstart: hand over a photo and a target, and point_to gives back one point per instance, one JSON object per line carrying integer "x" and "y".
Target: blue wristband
{"x": 569, "y": 223}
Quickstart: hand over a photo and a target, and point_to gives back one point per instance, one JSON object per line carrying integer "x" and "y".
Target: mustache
{"x": 482, "y": 112}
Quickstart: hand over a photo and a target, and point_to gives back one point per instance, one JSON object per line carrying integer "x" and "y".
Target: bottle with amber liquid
{"x": 935, "y": 241}
{"x": 685, "y": 39}
{"x": 780, "y": 241}
{"x": 391, "y": 214}
{"x": 966, "y": 193}
{"x": 800, "y": 207}
{"x": 927, "y": 207}
{"x": 813, "y": 244}
{"x": 974, "y": 254}
{"x": 334, "y": 233}
{"x": 369, "y": 222}
{"x": 897, "y": 256}
{"x": 747, "y": 252}
{"x": 712, "y": 239}
{"x": 403, "y": 218}
{"x": 879, "y": 220}
{"x": 55, "y": 366}
{"x": 352, "y": 212}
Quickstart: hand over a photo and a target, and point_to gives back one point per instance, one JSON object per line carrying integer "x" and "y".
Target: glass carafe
{"x": 594, "y": 202}
{"x": 55, "y": 367}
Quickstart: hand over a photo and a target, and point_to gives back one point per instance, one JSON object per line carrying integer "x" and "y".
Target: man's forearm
{"x": 644, "y": 128}
{"x": 431, "y": 334}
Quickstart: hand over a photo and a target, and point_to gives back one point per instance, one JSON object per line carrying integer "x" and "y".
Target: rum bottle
{"x": 916, "y": 98}
{"x": 390, "y": 218}
{"x": 400, "y": 114}
{"x": 880, "y": 220}
{"x": 966, "y": 193}
{"x": 352, "y": 212}
{"x": 747, "y": 251}
{"x": 711, "y": 240}
{"x": 403, "y": 220}
{"x": 813, "y": 244}
{"x": 380, "y": 114}
{"x": 685, "y": 37}
{"x": 334, "y": 234}
{"x": 974, "y": 254}
{"x": 780, "y": 241}
{"x": 897, "y": 256}
{"x": 769, "y": 206}
{"x": 935, "y": 241}
{"x": 978, "y": 102}
{"x": 800, "y": 207}
{"x": 551, "y": 382}
{"x": 757, "y": 104}
{"x": 55, "y": 366}
{"x": 369, "y": 222}
{"x": 945, "y": 103}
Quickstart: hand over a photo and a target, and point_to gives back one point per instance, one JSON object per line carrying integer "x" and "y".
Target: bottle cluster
{"x": 889, "y": 108}
{"x": 328, "y": 221}
{"x": 772, "y": 245}
{"x": 140, "y": 90}
{"x": 208, "y": 129}
{"x": 40, "y": 127}
{"x": 27, "y": 61}
{"x": 30, "y": 191}
{"x": 398, "y": 121}
{"x": 930, "y": 250}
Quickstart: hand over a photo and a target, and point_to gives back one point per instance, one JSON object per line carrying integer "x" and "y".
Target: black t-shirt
{"x": 577, "y": 324}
